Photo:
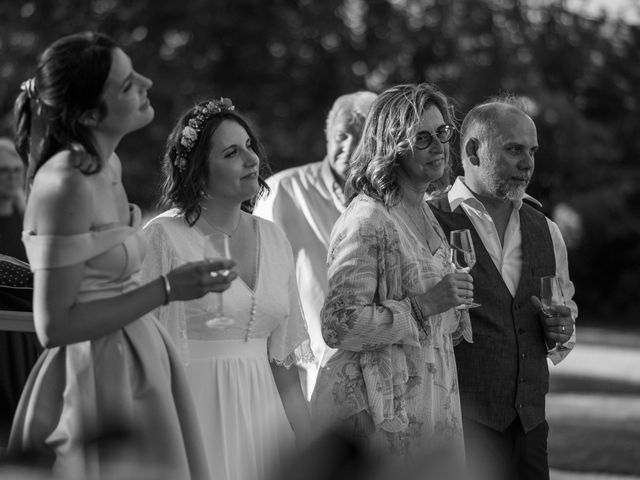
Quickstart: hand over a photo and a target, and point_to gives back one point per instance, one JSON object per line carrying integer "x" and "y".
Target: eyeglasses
{"x": 424, "y": 139}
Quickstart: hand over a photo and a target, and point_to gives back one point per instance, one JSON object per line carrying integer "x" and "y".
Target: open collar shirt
{"x": 507, "y": 257}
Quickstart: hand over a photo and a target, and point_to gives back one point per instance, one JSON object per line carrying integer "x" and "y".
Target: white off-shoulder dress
{"x": 120, "y": 401}
{"x": 245, "y": 429}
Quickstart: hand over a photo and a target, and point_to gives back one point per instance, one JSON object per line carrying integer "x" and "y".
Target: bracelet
{"x": 415, "y": 306}
{"x": 167, "y": 289}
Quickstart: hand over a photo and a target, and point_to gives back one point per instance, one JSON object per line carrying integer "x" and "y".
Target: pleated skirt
{"x": 245, "y": 429}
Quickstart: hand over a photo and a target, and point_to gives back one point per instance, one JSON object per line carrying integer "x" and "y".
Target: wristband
{"x": 167, "y": 289}
{"x": 417, "y": 310}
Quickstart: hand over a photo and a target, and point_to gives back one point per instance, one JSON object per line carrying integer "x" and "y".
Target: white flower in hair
{"x": 188, "y": 137}
{"x": 190, "y": 132}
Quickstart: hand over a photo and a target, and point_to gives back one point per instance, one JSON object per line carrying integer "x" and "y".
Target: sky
{"x": 629, "y": 10}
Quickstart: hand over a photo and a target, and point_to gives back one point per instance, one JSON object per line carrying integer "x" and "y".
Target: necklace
{"x": 215, "y": 227}
{"x": 429, "y": 232}
{"x": 421, "y": 224}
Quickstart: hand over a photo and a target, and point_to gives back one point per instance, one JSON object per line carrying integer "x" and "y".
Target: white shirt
{"x": 305, "y": 202}
{"x": 507, "y": 257}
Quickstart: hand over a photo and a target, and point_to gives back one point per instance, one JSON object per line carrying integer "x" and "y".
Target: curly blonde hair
{"x": 391, "y": 124}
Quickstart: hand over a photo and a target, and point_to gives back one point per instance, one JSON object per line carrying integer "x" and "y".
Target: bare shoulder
{"x": 61, "y": 200}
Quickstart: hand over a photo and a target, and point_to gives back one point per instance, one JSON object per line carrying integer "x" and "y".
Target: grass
{"x": 595, "y": 446}
{"x": 593, "y": 406}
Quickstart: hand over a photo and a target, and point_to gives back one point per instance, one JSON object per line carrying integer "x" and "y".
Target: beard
{"x": 515, "y": 193}
{"x": 501, "y": 188}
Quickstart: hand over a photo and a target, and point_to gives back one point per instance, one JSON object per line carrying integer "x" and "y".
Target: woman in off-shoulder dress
{"x": 108, "y": 396}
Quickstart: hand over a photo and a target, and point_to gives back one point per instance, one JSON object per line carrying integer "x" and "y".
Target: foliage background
{"x": 283, "y": 62}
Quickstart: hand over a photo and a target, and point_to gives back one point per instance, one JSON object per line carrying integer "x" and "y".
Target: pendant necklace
{"x": 431, "y": 240}
{"x": 422, "y": 228}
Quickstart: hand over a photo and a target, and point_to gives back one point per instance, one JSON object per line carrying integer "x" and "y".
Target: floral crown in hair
{"x": 191, "y": 131}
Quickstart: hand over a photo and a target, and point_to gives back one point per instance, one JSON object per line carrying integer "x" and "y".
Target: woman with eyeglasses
{"x": 391, "y": 308}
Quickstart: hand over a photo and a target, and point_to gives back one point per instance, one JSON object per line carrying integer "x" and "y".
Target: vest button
{"x": 523, "y": 355}
{"x": 521, "y": 380}
{"x": 520, "y": 406}
{"x": 521, "y": 331}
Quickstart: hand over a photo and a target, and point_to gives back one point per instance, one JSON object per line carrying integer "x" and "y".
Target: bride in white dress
{"x": 249, "y": 402}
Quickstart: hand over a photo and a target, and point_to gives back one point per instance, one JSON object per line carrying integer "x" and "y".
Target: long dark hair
{"x": 69, "y": 80}
{"x": 184, "y": 183}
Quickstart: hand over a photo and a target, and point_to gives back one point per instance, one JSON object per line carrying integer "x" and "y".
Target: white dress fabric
{"x": 305, "y": 202}
{"x": 243, "y": 422}
{"x": 120, "y": 401}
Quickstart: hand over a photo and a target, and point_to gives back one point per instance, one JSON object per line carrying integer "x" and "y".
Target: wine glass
{"x": 550, "y": 296}
{"x": 463, "y": 256}
{"x": 216, "y": 245}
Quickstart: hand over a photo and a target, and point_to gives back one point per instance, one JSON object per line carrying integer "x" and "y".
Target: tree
{"x": 283, "y": 62}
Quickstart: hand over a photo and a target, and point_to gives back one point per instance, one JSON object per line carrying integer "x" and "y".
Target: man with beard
{"x": 305, "y": 202}
{"x": 503, "y": 374}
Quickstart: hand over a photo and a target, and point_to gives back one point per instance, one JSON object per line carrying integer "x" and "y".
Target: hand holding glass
{"x": 216, "y": 245}
{"x": 550, "y": 296}
{"x": 463, "y": 256}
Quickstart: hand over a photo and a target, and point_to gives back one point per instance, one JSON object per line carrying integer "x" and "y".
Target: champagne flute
{"x": 550, "y": 296}
{"x": 463, "y": 256}
{"x": 216, "y": 245}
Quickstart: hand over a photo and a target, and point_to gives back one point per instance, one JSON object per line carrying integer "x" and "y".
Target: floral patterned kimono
{"x": 393, "y": 381}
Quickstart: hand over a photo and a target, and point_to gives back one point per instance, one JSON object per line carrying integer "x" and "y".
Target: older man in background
{"x": 305, "y": 202}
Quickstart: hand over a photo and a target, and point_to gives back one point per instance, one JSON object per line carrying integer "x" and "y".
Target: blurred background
{"x": 283, "y": 62}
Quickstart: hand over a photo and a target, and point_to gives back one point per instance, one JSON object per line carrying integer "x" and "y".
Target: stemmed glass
{"x": 463, "y": 256}
{"x": 551, "y": 295}
{"x": 216, "y": 245}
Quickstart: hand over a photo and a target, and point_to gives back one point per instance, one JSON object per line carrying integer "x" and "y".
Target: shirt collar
{"x": 459, "y": 193}
{"x": 332, "y": 184}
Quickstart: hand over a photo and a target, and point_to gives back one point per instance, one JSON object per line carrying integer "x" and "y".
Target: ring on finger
{"x": 562, "y": 328}
{"x": 220, "y": 273}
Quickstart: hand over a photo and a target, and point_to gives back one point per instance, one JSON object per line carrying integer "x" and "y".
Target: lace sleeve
{"x": 289, "y": 343}
{"x": 160, "y": 258}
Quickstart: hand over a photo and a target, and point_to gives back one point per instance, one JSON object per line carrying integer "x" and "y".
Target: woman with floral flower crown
{"x": 248, "y": 399}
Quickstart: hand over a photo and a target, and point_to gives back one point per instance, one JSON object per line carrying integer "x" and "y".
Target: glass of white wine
{"x": 550, "y": 296}
{"x": 216, "y": 245}
{"x": 463, "y": 256}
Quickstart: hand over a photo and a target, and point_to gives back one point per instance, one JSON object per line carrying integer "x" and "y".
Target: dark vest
{"x": 504, "y": 374}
